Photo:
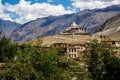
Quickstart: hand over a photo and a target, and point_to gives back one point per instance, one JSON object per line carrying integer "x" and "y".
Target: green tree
{"x": 7, "y": 48}
{"x": 31, "y": 64}
{"x": 101, "y": 62}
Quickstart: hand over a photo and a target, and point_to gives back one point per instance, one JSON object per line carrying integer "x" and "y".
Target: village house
{"x": 110, "y": 42}
{"x": 73, "y": 50}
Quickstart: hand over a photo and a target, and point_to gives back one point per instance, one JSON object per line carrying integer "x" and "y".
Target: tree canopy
{"x": 26, "y": 62}
{"x": 101, "y": 62}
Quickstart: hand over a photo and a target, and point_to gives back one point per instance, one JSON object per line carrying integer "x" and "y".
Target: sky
{"x": 22, "y": 11}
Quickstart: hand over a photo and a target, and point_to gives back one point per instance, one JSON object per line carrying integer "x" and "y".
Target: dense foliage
{"x": 6, "y": 47}
{"x": 101, "y": 62}
{"x": 26, "y": 62}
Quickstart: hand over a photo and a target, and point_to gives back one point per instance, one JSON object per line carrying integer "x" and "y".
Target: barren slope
{"x": 47, "y": 41}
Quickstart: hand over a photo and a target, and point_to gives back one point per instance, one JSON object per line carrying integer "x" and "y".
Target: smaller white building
{"x": 73, "y": 50}
{"x": 113, "y": 43}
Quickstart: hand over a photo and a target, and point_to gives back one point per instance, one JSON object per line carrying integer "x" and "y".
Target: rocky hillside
{"x": 91, "y": 19}
{"x": 7, "y": 27}
{"x": 111, "y": 28}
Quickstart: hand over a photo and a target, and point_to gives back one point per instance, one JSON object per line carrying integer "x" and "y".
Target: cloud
{"x": 24, "y": 11}
{"x": 2, "y": 14}
{"x": 27, "y": 11}
{"x": 92, "y": 4}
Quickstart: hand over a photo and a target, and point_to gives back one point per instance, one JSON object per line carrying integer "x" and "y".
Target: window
{"x": 69, "y": 55}
{"x": 81, "y": 48}
{"x": 75, "y": 50}
{"x": 113, "y": 43}
{"x": 72, "y": 50}
{"x": 74, "y": 55}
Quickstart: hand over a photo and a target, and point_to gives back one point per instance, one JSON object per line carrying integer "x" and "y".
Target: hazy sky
{"x": 22, "y": 11}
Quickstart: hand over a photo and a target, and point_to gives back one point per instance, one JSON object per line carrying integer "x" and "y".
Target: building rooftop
{"x": 73, "y": 25}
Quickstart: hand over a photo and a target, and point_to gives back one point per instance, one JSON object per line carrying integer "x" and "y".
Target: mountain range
{"x": 93, "y": 20}
{"x": 111, "y": 28}
{"x": 7, "y": 27}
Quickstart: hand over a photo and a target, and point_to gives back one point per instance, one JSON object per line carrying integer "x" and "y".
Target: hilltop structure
{"x": 74, "y": 49}
{"x": 74, "y": 29}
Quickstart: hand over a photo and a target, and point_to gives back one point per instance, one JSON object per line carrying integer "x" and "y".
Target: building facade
{"x": 75, "y": 29}
{"x": 72, "y": 50}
